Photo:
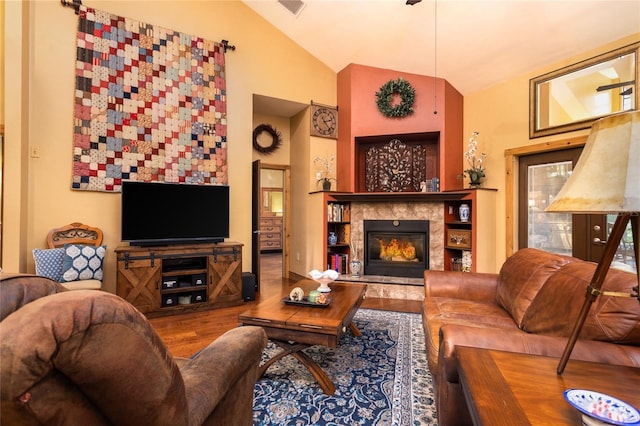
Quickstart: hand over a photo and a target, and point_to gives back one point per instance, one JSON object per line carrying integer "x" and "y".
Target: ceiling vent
{"x": 293, "y": 6}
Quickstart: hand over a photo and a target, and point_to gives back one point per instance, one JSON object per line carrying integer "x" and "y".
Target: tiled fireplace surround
{"x": 398, "y": 287}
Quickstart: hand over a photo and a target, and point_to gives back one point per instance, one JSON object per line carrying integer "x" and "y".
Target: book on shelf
{"x": 346, "y": 213}
{"x": 338, "y": 212}
{"x": 339, "y": 262}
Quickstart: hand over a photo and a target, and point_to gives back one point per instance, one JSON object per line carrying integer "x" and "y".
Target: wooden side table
{"x": 503, "y": 388}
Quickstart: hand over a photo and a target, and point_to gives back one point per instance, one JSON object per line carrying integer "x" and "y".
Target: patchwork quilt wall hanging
{"x": 150, "y": 105}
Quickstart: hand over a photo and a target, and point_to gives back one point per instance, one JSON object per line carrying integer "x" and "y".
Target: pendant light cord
{"x": 435, "y": 57}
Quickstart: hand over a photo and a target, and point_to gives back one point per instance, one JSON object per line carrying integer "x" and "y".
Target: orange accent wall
{"x": 358, "y": 115}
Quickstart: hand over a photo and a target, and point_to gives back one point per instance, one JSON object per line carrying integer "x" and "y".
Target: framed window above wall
{"x": 572, "y": 98}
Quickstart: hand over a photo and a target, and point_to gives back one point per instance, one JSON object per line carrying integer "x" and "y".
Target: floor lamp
{"x": 606, "y": 180}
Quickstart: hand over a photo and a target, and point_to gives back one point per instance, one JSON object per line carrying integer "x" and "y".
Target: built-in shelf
{"x": 478, "y": 231}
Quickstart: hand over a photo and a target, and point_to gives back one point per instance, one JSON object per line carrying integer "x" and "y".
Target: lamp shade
{"x": 606, "y": 178}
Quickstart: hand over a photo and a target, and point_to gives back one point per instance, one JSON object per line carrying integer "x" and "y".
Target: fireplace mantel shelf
{"x": 399, "y": 196}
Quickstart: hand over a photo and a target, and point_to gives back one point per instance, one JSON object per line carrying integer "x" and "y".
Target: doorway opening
{"x": 283, "y": 115}
{"x": 272, "y": 221}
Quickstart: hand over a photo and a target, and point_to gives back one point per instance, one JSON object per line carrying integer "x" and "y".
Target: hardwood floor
{"x": 186, "y": 334}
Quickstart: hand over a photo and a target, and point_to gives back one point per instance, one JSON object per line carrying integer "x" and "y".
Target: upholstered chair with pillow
{"x": 90, "y": 358}
{"x": 74, "y": 257}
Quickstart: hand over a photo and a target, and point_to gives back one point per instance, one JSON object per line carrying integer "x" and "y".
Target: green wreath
{"x": 402, "y": 88}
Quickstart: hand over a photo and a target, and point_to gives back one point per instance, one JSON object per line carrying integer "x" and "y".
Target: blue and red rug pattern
{"x": 381, "y": 378}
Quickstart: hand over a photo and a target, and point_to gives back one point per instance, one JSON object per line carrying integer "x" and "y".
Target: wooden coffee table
{"x": 294, "y": 328}
{"x": 503, "y": 388}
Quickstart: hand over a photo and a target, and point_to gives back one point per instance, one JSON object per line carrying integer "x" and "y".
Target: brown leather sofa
{"x": 88, "y": 357}
{"x": 529, "y": 307}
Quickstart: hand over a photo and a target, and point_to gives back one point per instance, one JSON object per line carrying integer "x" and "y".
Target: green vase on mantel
{"x": 474, "y": 179}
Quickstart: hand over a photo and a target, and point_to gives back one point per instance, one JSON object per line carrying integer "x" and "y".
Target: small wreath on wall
{"x": 276, "y": 139}
{"x": 385, "y": 95}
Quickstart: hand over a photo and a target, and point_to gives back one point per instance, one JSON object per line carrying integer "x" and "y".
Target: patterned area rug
{"x": 381, "y": 378}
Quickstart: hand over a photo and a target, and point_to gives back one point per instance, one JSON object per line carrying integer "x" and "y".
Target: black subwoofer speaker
{"x": 248, "y": 286}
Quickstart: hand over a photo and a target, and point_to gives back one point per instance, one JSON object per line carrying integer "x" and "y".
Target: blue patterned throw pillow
{"x": 82, "y": 262}
{"x": 49, "y": 262}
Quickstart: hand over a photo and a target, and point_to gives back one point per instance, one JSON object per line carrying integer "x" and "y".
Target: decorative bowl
{"x": 603, "y": 408}
{"x": 324, "y": 285}
{"x": 324, "y": 278}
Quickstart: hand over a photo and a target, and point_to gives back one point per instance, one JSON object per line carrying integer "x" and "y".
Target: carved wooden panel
{"x": 395, "y": 167}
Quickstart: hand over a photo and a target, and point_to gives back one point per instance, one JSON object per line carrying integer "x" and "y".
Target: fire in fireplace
{"x": 398, "y": 248}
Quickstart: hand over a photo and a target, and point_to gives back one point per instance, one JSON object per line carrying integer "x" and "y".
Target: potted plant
{"x": 476, "y": 167}
{"x": 322, "y": 175}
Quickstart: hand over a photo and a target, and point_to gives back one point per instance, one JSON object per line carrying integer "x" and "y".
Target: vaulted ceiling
{"x": 474, "y": 44}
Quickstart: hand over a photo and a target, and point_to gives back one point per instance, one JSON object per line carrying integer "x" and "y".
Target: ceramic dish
{"x": 603, "y": 408}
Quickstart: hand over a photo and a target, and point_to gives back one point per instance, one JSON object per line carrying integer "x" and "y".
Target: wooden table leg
{"x": 295, "y": 349}
{"x": 354, "y": 329}
{"x": 287, "y": 349}
{"x": 321, "y": 377}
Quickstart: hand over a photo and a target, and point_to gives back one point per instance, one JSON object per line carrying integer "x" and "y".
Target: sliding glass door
{"x": 541, "y": 176}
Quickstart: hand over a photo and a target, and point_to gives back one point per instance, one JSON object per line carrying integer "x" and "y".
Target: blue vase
{"x": 464, "y": 211}
{"x": 333, "y": 238}
{"x": 356, "y": 267}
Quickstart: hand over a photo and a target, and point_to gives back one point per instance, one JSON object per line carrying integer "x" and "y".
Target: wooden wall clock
{"x": 324, "y": 121}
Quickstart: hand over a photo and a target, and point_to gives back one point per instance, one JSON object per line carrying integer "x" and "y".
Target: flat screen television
{"x": 172, "y": 213}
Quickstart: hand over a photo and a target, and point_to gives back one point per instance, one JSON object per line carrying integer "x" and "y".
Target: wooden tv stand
{"x": 169, "y": 280}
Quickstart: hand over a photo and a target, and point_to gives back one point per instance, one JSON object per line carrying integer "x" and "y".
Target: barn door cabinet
{"x": 169, "y": 280}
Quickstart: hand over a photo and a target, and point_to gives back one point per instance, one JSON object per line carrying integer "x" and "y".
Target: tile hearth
{"x": 385, "y": 287}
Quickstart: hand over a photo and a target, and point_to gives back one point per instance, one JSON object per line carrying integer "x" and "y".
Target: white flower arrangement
{"x": 326, "y": 165}
{"x": 476, "y": 164}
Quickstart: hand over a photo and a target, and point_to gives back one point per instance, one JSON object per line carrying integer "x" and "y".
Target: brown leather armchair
{"x": 89, "y": 357}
